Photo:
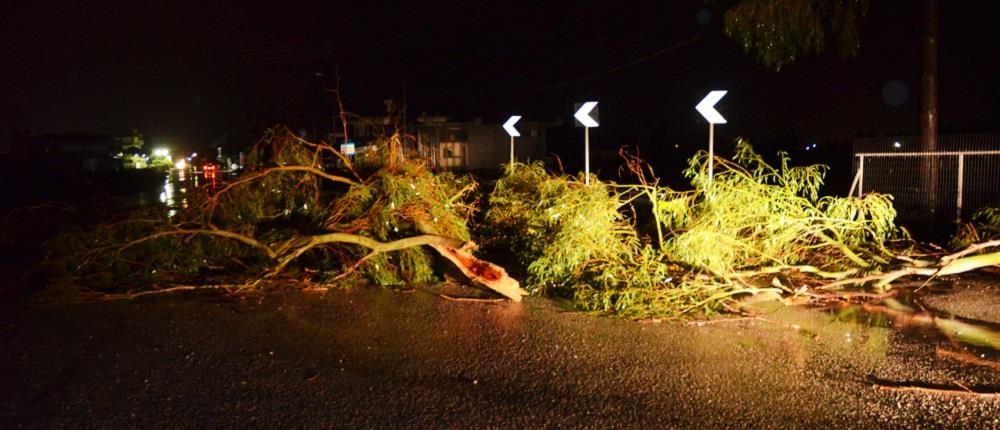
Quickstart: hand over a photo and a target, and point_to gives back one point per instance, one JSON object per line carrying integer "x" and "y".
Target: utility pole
{"x": 330, "y": 88}
{"x": 929, "y": 102}
{"x": 334, "y": 79}
{"x": 929, "y": 78}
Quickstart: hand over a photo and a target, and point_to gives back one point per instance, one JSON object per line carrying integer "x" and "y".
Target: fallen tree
{"x": 301, "y": 208}
{"x": 303, "y": 212}
{"x": 755, "y": 228}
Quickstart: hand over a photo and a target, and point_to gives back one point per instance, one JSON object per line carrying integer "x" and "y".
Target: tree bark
{"x": 479, "y": 271}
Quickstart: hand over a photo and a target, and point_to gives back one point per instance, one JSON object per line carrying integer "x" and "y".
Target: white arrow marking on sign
{"x": 706, "y": 107}
{"x": 509, "y": 126}
{"x": 583, "y": 115}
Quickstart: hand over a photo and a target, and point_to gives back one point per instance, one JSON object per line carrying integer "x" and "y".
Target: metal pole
{"x": 861, "y": 176}
{"x": 854, "y": 183}
{"x": 586, "y": 155}
{"x": 512, "y": 153}
{"x": 711, "y": 151}
{"x": 961, "y": 179}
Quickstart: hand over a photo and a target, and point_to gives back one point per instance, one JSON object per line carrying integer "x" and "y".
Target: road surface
{"x": 376, "y": 358}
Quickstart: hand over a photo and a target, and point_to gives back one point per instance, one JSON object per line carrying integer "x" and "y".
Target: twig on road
{"x": 964, "y": 391}
{"x": 967, "y": 357}
{"x": 471, "y": 299}
{"x": 131, "y": 295}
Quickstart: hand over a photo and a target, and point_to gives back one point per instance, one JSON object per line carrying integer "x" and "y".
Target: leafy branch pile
{"x": 983, "y": 226}
{"x": 304, "y": 212}
{"x": 754, "y": 228}
{"x": 574, "y": 240}
{"x": 288, "y": 215}
{"x": 755, "y": 215}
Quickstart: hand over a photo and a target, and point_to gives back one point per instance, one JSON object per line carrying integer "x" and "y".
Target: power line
{"x": 611, "y": 70}
{"x": 561, "y": 84}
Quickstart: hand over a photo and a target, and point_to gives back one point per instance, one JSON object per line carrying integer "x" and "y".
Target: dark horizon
{"x": 186, "y": 75}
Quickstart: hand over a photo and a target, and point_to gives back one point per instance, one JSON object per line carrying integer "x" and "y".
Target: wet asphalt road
{"x": 371, "y": 358}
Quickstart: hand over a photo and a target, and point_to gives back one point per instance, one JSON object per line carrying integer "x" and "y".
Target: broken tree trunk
{"x": 479, "y": 271}
{"x": 482, "y": 272}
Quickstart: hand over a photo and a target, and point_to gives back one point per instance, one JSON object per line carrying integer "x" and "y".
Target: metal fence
{"x": 957, "y": 182}
{"x": 931, "y": 188}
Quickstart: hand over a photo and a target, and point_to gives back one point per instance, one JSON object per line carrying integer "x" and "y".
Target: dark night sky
{"x": 187, "y": 73}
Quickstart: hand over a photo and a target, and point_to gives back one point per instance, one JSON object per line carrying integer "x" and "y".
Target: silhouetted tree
{"x": 777, "y": 32}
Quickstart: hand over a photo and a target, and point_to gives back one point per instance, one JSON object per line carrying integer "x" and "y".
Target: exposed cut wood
{"x": 482, "y": 272}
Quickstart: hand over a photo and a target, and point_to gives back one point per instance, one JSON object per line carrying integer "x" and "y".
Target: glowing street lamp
{"x": 161, "y": 152}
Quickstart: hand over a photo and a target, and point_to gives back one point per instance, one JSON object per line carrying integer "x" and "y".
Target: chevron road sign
{"x": 706, "y": 107}
{"x": 583, "y": 115}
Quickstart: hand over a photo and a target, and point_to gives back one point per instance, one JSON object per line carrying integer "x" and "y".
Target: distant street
{"x": 372, "y": 358}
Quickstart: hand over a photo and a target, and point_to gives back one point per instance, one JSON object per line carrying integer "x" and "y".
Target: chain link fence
{"x": 930, "y": 189}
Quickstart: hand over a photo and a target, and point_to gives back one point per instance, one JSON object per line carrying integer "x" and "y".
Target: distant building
{"x": 86, "y": 153}
{"x": 443, "y": 142}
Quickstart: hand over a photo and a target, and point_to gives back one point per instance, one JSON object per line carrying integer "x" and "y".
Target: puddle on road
{"x": 861, "y": 328}
{"x": 907, "y": 314}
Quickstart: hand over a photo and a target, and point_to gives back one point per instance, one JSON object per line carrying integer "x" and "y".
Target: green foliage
{"x": 575, "y": 241}
{"x": 405, "y": 197}
{"x": 283, "y": 200}
{"x": 560, "y": 229}
{"x": 412, "y": 265}
{"x": 161, "y": 163}
{"x": 119, "y": 255}
{"x": 515, "y": 222}
{"x": 587, "y": 236}
{"x": 777, "y": 32}
{"x": 403, "y": 201}
{"x": 568, "y": 239}
{"x": 271, "y": 205}
{"x": 578, "y": 241}
{"x": 984, "y": 225}
{"x": 756, "y": 215}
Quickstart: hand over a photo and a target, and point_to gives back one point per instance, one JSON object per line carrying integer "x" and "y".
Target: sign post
{"x": 706, "y": 107}
{"x": 583, "y": 116}
{"x": 509, "y": 128}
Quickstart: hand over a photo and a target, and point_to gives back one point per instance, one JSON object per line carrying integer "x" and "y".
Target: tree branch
{"x": 212, "y": 232}
{"x": 367, "y": 242}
